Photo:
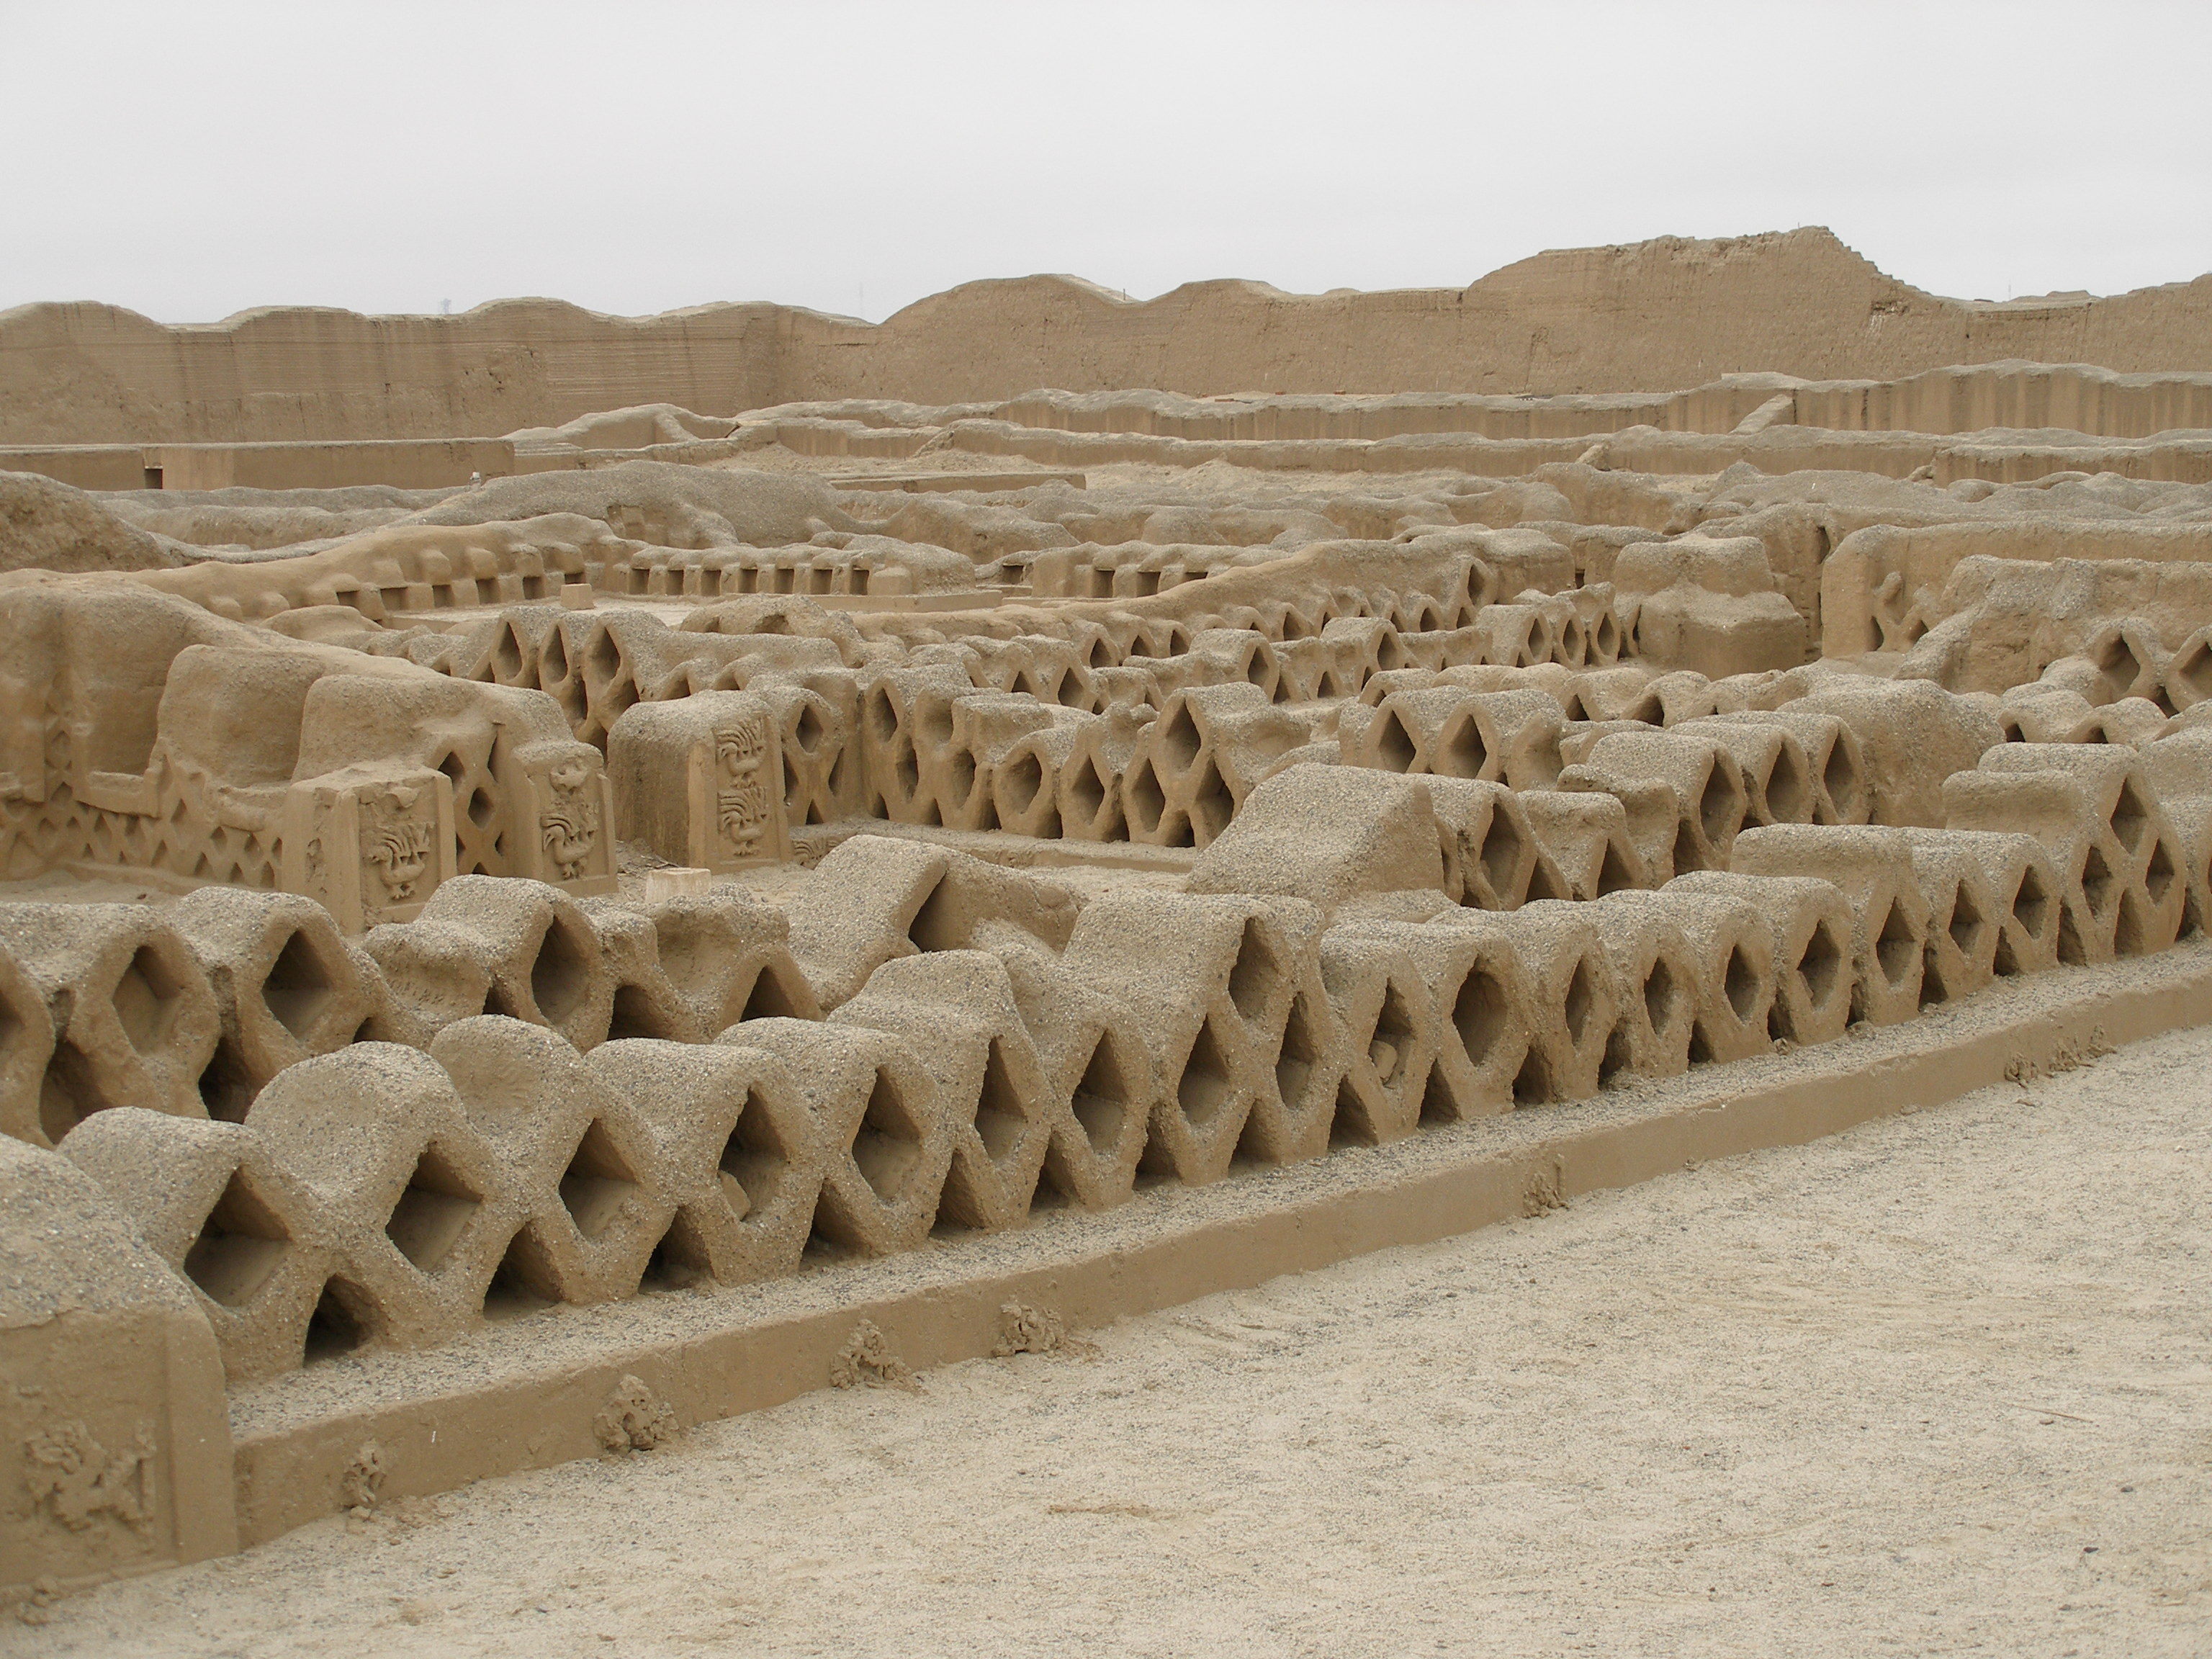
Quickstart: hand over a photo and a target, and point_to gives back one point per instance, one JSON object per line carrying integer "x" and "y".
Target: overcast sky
{"x": 190, "y": 161}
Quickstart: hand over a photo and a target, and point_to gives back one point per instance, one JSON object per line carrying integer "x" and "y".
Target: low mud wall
{"x": 440, "y": 1420}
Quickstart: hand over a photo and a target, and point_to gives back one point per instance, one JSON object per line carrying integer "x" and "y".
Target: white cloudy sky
{"x": 193, "y": 160}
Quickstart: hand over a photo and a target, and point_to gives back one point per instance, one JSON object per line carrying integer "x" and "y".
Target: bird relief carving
{"x": 396, "y": 838}
{"x": 741, "y": 798}
{"x": 571, "y": 821}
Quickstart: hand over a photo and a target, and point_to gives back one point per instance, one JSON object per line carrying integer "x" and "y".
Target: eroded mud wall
{"x": 1651, "y": 316}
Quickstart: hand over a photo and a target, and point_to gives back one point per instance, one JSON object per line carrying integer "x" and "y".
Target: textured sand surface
{"x": 1940, "y": 1385}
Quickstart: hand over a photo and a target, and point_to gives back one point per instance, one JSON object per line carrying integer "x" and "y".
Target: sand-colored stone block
{"x": 414, "y": 1202}
{"x": 1811, "y": 926}
{"x": 1657, "y": 980}
{"x": 369, "y": 843}
{"x": 1100, "y": 1087}
{"x": 1571, "y": 999}
{"x": 1492, "y": 856}
{"x": 1090, "y": 786}
{"x": 1731, "y": 950}
{"x": 1586, "y": 835}
{"x": 433, "y": 976}
{"x": 875, "y": 898}
{"x": 2130, "y": 834}
{"x": 134, "y": 1023}
{"x": 113, "y": 1405}
{"x": 1702, "y": 772}
{"x": 539, "y": 949}
{"x": 1197, "y": 764}
{"x": 1835, "y": 767}
{"x": 1387, "y": 1013}
{"x": 286, "y": 986}
{"x": 1911, "y": 734}
{"x": 247, "y": 1237}
{"x": 955, "y": 1011}
{"x": 1872, "y": 867}
{"x": 1327, "y": 835}
{"x": 886, "y": 1141}
{"x": 1214, "y": 982}
{"x": 736, "y": 1161}
{"x": 1777, "y": 775}
{"x": 700, "y": 781}
{"x": 580, "y": 1168}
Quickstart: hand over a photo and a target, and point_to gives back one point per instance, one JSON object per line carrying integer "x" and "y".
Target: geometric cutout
{"x": 433, "y": 1212}
{"x": 2096, "y": 880}
{"x": 1179, "y": 739}
{"x": 2129, "y": 818}
{"x": 1211, "y": 802}
{"x": 1619, "y": 1056}
{"x": 1717, "y": 806}
{"x": 770, "y": 999}
{"x": 1500, "y": 856}
{"x": 1532, "y": 1085}
{"x": 998, "y": 1115}
{"x": 1686, "y": 855}
{"x": 888, "y": 1144}
{"x": 1659, "y": 997}
{"x": 598, "y": 1181}
{"x": 337, "y": 1328}
{"x": 1576, "y": 1005}
{"x": 2159, "y": 873}
{"x": 1352, "y": 1126}
{"x": 515, "y": 1291}
{"x": 1741, "y": 984}
{"x": 1390, "y": 1044}
{"x": 754, "y": 1159}
{"x": 1894, "y": 947}
{"x": 1393, "y": 746}
{"x": 1822, "y": 959}
{"x": 678, "y": 1262}
{"x": 1965, "y": 924}
{"x": 227, "y": 1086}
{"x": 560, "y": 978}
{"x": 1465, "y": 754}
{"x": 62, "y": 1103}
{"x": 1299, "y": 1054}
{"x": 1480, "y": 1012}
{"x": 238, "y": 1247}
{"x": 1252, "y": 980}
{"x": 2031, "y": 906}
{"x": 1204, "y": 1088}
{"x": 146, "y": 999}
{"x": 638, "y": 1013}
{"x": 298, "y": 987}
{"x": 1087, "y": 791}
{"x": 1101, "y": 1103}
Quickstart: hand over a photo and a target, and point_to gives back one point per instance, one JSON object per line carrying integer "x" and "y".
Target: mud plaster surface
{"x": 1941, "y": 1384}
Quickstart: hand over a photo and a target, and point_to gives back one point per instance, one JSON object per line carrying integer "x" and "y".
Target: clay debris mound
{"x": 46, "y": 526}
{"x": 235, "y": 521}
{"x": 750, "y": 843}
{"x": 679, "y": 506}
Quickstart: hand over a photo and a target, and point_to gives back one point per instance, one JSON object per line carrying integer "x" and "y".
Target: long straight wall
{"x": 1649, "y": 317}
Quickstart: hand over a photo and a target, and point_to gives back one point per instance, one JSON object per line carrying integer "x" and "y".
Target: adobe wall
{"x": 1648, "y": 316}
{"x": 90, "y": 374}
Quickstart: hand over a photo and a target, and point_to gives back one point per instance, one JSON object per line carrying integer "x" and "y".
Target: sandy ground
{"x": 1940, "y": 1385}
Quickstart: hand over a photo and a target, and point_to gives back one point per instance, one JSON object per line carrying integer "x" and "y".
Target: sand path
{"x": 1940, "y": 1385}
